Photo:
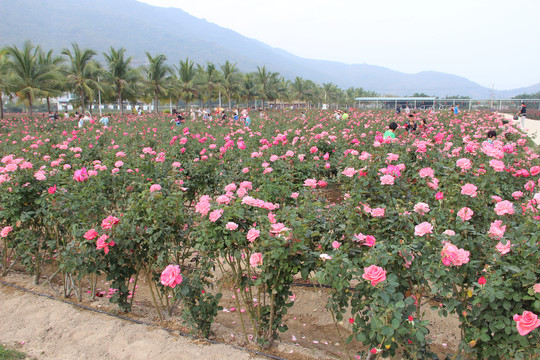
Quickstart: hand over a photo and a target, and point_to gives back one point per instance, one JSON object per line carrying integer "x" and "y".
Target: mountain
{"x": 139, "y": 27}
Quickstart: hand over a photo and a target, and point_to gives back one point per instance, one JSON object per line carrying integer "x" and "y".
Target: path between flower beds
{"x": 531, "y": 126}
{"x": 49, "y": 329}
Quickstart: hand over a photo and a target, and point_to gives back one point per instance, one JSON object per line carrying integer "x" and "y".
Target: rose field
{"x": 224, "y": 223}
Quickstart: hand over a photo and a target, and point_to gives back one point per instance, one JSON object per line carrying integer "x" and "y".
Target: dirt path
{"x": 531, "y": 126}
{"x": 49, "y": 329}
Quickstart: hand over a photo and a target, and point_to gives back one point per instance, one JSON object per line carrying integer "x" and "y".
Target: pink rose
{"x": 312, "y": 183}
{"x": 52, "y": 190}
{"x": 231, "y": 226}
{"x": 375, "y": 274}
{"x": 171, "y": 276}
{"x": 451, "y": 255}
{"x": 101, "y": 243}
{"x": 469, "y": 189}
{"x": 517, "y": 194}
{"x": 5, "y": 231}
{"x": 465, "y": 213}
{"x": 504, "y": 248}
{"x": 526, "y": 322}
{"x": 253, "y": 234}
{"x": 497, "y": 229}
{"x": 387, "y": 180}
{"x": 80, "y": 175}
{"x": 497, "y": 165}
{"x": 223, "y": 199}
{"x": 536, "y": 288}
{"x": 423, "y": 229}
{"x": 421, "y": 208}
{"x": 349, "y": 172}
{"x": 230, "y": 187}
{"x": 109, "y": 221}
{"x": 336, "y": 244}
{"x": 91, "y": 234}
{"x": 256, "y": 259}
{"x": 294, "y": 195}
{"x": 215, "y": 215}
{"x": 40, "y": 175}
{"x": 504, "y": 207}
{"x": 426, "y": 172}
{"x": 246, "y": 185}
{"x": 377, "y": 212}
{"x": 155, "y": 187}
{"x": 369, "y": 240}
{"x": 464, "y": 164}
{"x": 439, "y": 196}
{"x": 203, "y": 206}
{"x": 118, "y": 163}
{"x": 529, "y": 186}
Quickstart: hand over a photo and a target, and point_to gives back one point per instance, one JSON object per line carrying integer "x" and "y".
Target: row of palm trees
{"x": 31, "y": 74}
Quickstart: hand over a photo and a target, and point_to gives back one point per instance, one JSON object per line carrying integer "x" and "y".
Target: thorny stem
{"x": 234, "y": 285}
{"x": 153, "y": 296}
{"x": 134, "y": 287}
{"x": 339, "y": 333}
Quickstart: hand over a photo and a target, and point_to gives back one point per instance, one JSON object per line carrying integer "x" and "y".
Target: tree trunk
{"x": 121, "y": 103}
{"x": 48, "y": 105}
{"x": 156, "y": 104}
{"x": 82, "y": 102}
{"x": 30, "y": 109}
{"x": 1, "y": 106}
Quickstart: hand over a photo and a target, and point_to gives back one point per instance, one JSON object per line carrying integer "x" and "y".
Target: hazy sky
{"x": 491, "y": 42}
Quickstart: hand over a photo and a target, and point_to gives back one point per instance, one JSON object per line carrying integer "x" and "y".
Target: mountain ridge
{"x": 139, "y": 27}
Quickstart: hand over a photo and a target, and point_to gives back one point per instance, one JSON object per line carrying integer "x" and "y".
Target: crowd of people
{"x": 413, "y": 123}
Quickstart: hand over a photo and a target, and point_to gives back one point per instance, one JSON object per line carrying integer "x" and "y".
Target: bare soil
{"x": 50, "y": 329}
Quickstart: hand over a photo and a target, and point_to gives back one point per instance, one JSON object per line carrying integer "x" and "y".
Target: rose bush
{"x": 390, "y": 227}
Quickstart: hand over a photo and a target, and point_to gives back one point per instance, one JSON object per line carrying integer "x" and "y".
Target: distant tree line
{"x": 527, "y": 96}
{"x": 33, "y": 75}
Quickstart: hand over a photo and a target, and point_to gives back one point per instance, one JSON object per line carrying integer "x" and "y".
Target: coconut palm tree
{"x": 27, "y": 77}
{"x": 249, "y": 89}
{"x": 186, "y": 81}
{"x": 119, "y": 74}
{"x": 4, "y": 84}
{"x": 54, "y": 86}
{"x": 81, "y": 72}
{"x": 263, "y": 80}
{"x": 301, "y": 89}
{"x": 208, "y": 80}
{"x": 158, "y": 76}
{"x": 230, "y": 77}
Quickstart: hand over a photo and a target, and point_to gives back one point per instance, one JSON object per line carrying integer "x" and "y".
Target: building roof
{"x": 396, "y": 98}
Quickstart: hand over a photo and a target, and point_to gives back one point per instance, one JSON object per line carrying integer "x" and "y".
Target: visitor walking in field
{"x": 522, "y": 113}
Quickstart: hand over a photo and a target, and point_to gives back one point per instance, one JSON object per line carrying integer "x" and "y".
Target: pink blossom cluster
{"x": 452, "y": 256}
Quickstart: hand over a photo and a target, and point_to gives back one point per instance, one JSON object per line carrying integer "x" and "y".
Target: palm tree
{"x": 81, "y": 72}
{"x": 249, "y": 88}
{"x": 263, "y": 79}
{"x": 300, "y": 89}
{"x": 158, "y": 76}
{"x": 52, "y": 87}
{"x": 208, "y": 80}
{"x": 28, "y": 78}
{"x": 330, "y": 91}
{"x": 4, "y": 85}
{"x": 186, "y": 77}
{"x": 229, "y": 79}
{"x": 120, "y": 75}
